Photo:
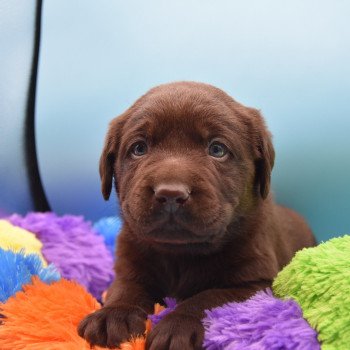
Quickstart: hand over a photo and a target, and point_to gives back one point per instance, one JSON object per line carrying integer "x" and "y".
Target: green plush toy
{"x": 319, "y": 280}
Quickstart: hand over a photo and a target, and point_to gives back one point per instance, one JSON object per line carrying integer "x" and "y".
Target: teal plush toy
{"x": 319, "y": 280}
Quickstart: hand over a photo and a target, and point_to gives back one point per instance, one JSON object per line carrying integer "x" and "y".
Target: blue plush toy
{"x": 109, "y": 228}
{"x": 17, "y": 270}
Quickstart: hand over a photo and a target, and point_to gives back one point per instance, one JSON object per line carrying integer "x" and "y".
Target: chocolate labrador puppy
{"x": 192, "y": 170}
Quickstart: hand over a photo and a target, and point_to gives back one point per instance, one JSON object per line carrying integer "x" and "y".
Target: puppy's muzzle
{"x": 171, "y": 196}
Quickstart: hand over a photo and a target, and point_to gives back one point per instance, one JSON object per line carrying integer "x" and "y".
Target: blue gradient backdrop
{"x": 290, "y": 59}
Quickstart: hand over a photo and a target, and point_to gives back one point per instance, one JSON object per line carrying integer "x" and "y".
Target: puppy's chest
{"x": 183, "y": 278}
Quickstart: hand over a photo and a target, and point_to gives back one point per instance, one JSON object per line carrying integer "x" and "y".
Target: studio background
{"x": 288, "y": 59}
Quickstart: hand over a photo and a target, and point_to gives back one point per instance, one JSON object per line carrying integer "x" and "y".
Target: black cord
{"x": 36, "y": 188}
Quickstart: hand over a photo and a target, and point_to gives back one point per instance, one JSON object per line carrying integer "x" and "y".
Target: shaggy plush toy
{"x": 108, "y": 228}
{"x": 77, "y": 251}
{"x": 314, "y": 290}
{"x": 17, "y": 239}
{"x": 319, "y": 280}
{"x": 45, "y": 316}
{"x": 17, "y": 268}
{"x": 262, "y": 322}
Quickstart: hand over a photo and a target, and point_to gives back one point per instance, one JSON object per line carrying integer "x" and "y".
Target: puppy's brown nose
{"x": 172, "y": 196}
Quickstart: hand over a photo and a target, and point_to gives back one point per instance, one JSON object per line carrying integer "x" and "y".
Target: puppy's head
{"x": 187, "y": 161}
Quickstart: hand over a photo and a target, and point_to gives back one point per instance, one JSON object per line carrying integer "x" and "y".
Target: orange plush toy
{"x": 46, "y": 316}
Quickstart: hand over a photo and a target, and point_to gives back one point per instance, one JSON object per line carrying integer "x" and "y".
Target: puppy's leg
{"x": 122, "y": 316}
{"x": 183, "y": 329}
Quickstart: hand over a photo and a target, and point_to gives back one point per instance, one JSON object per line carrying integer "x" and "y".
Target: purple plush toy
{"x": 69, "y": 242}
{"x": 261, "y": 323}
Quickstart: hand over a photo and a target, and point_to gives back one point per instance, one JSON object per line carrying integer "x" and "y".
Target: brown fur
{"x": 224, "y": 242}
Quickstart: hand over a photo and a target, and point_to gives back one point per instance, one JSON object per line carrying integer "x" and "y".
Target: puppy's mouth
{"x": 172, "y": 241}
{"x": 177, "y": 245}
{"x": 173, "y": 232}
{"x": 183, "y": 242}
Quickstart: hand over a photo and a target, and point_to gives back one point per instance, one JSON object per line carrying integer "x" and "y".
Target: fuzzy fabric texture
{"x": 16, "y": 239}
{"x": 260, "y": 323}
{"x": 46, "y": 317}
{"x": 17, "y": 268}
{"x": 319, "y": 280}
{"x": 109, "y": 228}
{"x": 158, "y": 316}
{"x": 73, "y": 246}
{"x": 139, "y": 343}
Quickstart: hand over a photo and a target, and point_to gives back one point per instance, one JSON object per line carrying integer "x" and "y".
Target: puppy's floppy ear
{"x": 265, "y": 164}
{"x": 266, "y": 156}
{"x": 109, "y": 155}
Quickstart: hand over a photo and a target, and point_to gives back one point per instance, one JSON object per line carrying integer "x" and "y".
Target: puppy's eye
{"x": 139, "y": 148}
{"x": 217, "y": 150}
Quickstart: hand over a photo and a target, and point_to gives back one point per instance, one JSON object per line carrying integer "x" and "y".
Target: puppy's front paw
{"x": 176, "y": 331}
{"x": 111, "y": 326}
